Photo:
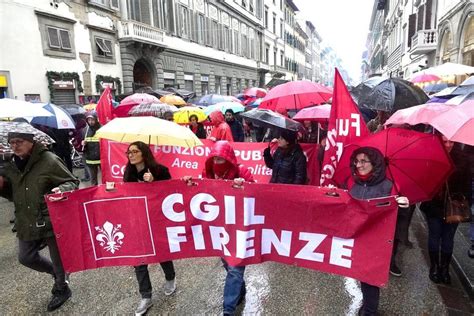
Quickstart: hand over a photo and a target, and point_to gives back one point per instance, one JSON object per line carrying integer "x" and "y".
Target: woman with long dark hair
{"x": 142, "y": 167}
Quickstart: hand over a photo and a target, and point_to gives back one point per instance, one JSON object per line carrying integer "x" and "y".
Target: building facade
{"x": 66, "y": 53}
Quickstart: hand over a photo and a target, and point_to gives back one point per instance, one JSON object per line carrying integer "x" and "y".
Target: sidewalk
{"x": 462, "y": 263}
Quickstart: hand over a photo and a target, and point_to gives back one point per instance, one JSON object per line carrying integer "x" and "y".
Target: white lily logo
{"x": 109, "y": 236}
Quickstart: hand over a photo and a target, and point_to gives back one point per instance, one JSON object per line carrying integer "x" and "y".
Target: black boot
{"x": 434, "y": 266}
{"x": 60, "y": 296}
{"x": 444, "y": 268}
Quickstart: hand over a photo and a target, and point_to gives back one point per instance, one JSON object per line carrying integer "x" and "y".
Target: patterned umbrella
{"x": 60, "y": 119}
{"x": 152, "y": 109}
{"x": 139, "y": 98}
{"x": 21, "y": 127}
{"x": 268, "y": 118}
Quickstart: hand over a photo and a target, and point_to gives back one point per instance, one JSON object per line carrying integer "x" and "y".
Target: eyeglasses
{"x": 132, "y": 152}
{"x": 362, "y": 162}
{"x": 16, "y": 142}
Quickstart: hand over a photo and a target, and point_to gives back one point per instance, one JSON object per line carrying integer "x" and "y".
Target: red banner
{"x": 345, "y": 126}
{"x": 190, "y": 161}
{"x": 144, "y": 223}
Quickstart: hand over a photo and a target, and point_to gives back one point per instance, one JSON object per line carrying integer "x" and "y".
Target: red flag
{"x": 345, "y": 126}
{"x": 104, "y": 107}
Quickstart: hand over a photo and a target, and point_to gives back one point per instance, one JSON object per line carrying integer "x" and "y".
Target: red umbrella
{"x": 139, "y": 98}
{"x": 314, "y": 113}
{"x": 418, "y": 173}
{"x": 295, "y": 95}
{"x": 420, "y": 114}
{"x": 255, "y": 92}
{"x": 457, "y": 124}
{"x": 424, "y": 77}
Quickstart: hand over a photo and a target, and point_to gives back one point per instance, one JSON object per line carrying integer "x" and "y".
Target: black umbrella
{"x": 365, "y": 87}
{"x": 73, "y": 109}
{"x": 391, "y": 94}
{"x": 268, "y": 118}
{"x": 185, "y": 94}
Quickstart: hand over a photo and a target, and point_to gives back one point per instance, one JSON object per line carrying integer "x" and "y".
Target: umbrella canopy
{"x": 138, "y": 98}
{"x": 420, "y": 114}
{"x": 464, "y": 88}
{"x": 365, "y": 87}
{"x": 255, "y": 103}
{"x": 90, "y": 107}
{"x": 295, "y": 95}
{"x": 461, "y": 98}
{"x": 424, "y": 77}
{"x": 60, "y": 119}
{"x": 392, "y": 94}
{"x": 150, "y": 130}
{"x": 152, "y": 109}
{"x": 182, "y": 115}
{"x": 457, "y": 124}
{"x": 447, "y": 93}
{"x": 314, "y": 113}
{"x": 173, "y": 100}
{"x": 224, "y": 106}
{"x": 73, "y": 109}
{"x": 17, "y": 108}
{"x": 268, "y": 118}
{"x": 435, "y": 87}
{"x": 21, "y": 127}
{"x": 417, "y": 173}
{"x": 185, "y": 94}
{"x": 255, "y": 92}
{"x": 448, "y": 69}
{"x": 210, "y": 99}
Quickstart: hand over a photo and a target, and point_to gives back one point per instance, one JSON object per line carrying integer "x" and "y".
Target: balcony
{"x": 423, "y": 42}
{"x": 263, "y": 67}
{"x": 140, "y": 32}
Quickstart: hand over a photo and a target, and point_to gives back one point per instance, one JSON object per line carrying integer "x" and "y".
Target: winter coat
{"x": 288, "y": 166}
{"x": 43, "y": 172}
{"x": 201, "y": 131}
{"x": 221, "y": 130}
{"x": 459, "y": 183}
{"x": 160, "y": 172}
{"x": 224, "y": 150}
{"x": 237, "y": 130}
{"x": 92, "y": 147}
{"x": 376, "y": 186}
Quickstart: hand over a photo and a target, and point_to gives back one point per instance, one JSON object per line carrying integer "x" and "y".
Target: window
{"x": 236, "y": 42}
{"x": 218, "y": 85}
{"x": 228, "y": 39}
{"x": 189, "y": 82}
{"x": 104, "y": 47}
{"x": 274, "y": 23}
{"x": 229, "y": 86}
{"x": 159, "y": 13}
{"x": 275, "y": 57}
{"x": 184, "y": 22}
{"x": 201, "y": 27}
{"x": 134, "y": 10}
{"x": 267, "y": 54}
{"x": 59, "y": 38}
{"x": 281, "y": 28}
{"x": 281, "y": 58}
{"x": 265, "y": 20}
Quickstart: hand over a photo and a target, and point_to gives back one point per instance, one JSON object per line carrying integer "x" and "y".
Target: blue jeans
{"x": 440, "y": 234}
{"x": 234, "y": 287}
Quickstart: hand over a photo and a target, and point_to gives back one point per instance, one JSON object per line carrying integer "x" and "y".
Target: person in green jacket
{"x": 33, "y": 172}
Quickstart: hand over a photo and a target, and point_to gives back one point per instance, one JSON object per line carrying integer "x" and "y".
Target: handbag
{"x": 456, "y": 209}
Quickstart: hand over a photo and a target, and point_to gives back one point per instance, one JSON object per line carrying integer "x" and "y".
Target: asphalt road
{"x": 273, "y": 289}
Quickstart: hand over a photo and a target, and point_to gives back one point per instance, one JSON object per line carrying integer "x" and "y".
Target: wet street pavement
{"x": 272, "y": 289}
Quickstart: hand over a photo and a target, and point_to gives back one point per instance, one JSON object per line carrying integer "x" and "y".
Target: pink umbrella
{"x": 139, "y": 98}
{"x": 255, "y": 92}
{"x": 457, "y": 124}
{"x": 420, "y": 114}
{"x": 314, "y": 113}
{"x": 424, "y": 77}
{"x": 296, "y": 95}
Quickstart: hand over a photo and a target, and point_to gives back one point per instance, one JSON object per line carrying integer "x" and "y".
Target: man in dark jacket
{"x": 92, "y": 147}
{"x": 235, "y": 126}
{"x": 33, "y": 172}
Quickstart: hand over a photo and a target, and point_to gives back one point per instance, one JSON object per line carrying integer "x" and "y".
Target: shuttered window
{"x": 429, "y": 7}
{"x": 420, "y": 17}
{"x": 411, "y": 27}
{"x": 104, "y": 47}
{"x": 59, "y": 38}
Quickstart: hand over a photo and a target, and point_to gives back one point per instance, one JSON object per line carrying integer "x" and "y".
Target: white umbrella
{"x": 17, "y": 108}
{"x": 447, "y": 69}
{"x": 60, "y": 119}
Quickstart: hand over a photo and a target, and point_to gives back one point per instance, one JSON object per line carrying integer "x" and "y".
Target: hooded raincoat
{"x": 221, "y": 130}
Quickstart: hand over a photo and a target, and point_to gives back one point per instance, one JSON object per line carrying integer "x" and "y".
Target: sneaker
{"x": 170, "y": 287}
{"x": 394, "y": 270}
{"x": 470, "y": 252}
{"x": 143, "y": 306}
{"x": 59, "y": 298}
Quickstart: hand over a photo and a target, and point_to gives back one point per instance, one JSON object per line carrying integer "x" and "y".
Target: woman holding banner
{"x": 142, "y": 167}
{"x": 222, "y": 164}
{"x": 369, "y": 181}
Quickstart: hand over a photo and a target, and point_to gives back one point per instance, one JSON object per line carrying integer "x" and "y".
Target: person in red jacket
{"x": 222, "y": 164}
{"x": 221, "y": 130}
